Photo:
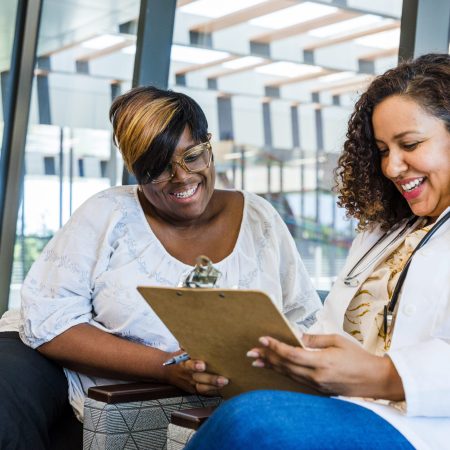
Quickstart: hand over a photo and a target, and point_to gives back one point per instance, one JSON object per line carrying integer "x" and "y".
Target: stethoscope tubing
{"x": 388, "y": 310}
{"x": 352, "y": 278}
{"x": 404, "y": 272}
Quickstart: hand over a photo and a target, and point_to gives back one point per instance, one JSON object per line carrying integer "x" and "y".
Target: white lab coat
{"x": 420, "y": 347}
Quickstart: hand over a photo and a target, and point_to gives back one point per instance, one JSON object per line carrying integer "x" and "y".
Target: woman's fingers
{"x": 208, "y": 384}
{"x": 195, "y": 365}
{"x": 331, "y": 363}
{"x": 277, "y": 352}
{"x": 217, "y": 381}
{"x": 198, "y": 373}
{"x": 321, "y": 340}
{"x": 192, "y": 377}
{"x": 203, "y": 382}
{"x": 207, "y": 389}
{"x": 302, "y": 374}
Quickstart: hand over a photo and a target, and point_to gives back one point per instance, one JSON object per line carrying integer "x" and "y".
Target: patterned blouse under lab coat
{"x": 364, "y": 317}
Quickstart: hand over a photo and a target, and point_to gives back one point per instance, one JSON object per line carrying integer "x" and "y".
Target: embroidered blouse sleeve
{"x": 300, "y": 300}
{"x": 57, "y": 292}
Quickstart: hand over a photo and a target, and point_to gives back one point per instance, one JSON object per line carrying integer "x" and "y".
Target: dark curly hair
{"x": 363, "y": 190}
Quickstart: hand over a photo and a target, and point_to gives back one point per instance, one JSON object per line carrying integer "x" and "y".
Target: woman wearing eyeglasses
{"x": 80, "y": 305}
{"x": 381, "y": 345}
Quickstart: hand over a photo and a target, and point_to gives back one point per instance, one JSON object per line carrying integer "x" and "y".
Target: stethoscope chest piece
{"x": 351, "y": 282}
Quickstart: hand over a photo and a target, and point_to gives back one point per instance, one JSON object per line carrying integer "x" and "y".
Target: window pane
{"x": 278, "y": 93}
{"x": 7, "y": 21}
{"x": 69, "y": 155}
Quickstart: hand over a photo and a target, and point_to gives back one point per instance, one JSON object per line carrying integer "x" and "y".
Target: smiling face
{"x": 185, "y": 198}
{"x": 415, "y": 154}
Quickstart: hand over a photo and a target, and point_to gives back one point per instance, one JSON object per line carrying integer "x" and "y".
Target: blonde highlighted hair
{"x": 148, "y": 123}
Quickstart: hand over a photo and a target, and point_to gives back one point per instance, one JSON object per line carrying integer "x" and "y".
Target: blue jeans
{"x": 274, "y": 420}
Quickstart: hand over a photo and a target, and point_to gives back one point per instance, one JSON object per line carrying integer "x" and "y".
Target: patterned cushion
{"x": 134, "y": 425}
{"x": 178, "y": 437}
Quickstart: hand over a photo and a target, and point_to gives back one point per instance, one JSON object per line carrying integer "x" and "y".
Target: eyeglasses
{"x": 194, "y": 160}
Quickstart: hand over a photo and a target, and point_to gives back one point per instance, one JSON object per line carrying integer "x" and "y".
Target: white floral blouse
{"x": 89, "y": 271}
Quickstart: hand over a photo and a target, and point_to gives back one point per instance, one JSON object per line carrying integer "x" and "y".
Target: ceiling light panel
{"x": 196, "y": 55}
{"x": 240, "y": 63}
{"x": 386, "y": 39}
{"x": 185, "y": 54}
{"x": 287, "y": 69}
{"x": 217, "y": 8}
{"x": 348, "y": 26}
{"x": 103, "y": 41}
{"x": 293, "y": 15}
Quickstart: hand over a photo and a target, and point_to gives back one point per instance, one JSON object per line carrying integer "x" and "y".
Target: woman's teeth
{"x": 412, "y": 184}
{"x": 186, "y": 194}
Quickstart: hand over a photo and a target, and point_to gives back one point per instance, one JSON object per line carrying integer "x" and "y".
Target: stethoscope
{"x": 388, "y": 312}
{"x": 352, "y": 278}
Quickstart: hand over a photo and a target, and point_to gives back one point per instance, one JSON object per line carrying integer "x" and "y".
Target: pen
{"x": 177, "y": 359}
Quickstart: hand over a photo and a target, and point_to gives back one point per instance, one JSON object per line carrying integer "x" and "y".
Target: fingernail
{"x": 264, "y": 341}
{"x": 258, "y": 363}
{"x": 199, "y": 366}
{"x": 222, "y": 381}
{"x": 253, "y": 354}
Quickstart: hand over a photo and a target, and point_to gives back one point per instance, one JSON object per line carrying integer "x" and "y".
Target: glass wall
{"x": 276, "y": 79}
{"x": 7, "y": 20}
{"x": 69, "y": 156}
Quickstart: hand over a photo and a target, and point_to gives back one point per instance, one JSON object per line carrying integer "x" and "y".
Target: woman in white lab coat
{"x": 383, "y": 337}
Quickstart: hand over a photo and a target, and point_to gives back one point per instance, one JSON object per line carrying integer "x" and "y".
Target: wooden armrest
{"x": 132, "y": 392}
{"x": 191, "y": 418}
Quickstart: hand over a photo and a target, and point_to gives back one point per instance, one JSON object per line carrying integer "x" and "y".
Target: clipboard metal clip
{"x": 204, "y": 274}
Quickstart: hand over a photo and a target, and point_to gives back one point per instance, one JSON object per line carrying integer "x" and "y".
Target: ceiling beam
{"x": 242, "y": 15}
{"x": 227, "y": 72}
{"x": 337, "y": 86}
{"x": 362, "y": 85}
{"x": 303, "y": 27}
{"x": 195, "y": 67}
{"x": 349, "y": 37}
{"x": 300, "y": 78}
{"x": 383, "y": 53}
{"x": 94, "y": 54}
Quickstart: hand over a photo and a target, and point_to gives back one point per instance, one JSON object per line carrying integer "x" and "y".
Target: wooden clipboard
{"x": 219, "y": 326}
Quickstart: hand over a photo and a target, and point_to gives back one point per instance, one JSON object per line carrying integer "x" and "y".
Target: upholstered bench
{"x": 134, "y": 416}
{"x": 184, "y": 423}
